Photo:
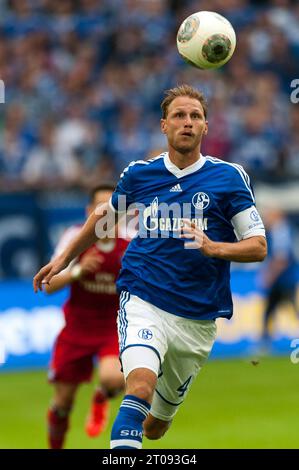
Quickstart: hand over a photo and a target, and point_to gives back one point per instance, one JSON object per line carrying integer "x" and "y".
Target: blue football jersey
{"x": 156, "y": 266}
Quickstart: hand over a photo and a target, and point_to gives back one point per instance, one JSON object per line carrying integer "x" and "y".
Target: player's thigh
{"x": 185, "y": 357}
{"x": 71, "y": 363}
{"x": 142, "y": 339}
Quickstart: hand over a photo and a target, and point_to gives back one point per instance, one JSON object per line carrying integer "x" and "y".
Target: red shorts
{"x": 73, "y": 363}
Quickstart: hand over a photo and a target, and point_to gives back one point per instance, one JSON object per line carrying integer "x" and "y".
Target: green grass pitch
{"x": 232, "y": 404}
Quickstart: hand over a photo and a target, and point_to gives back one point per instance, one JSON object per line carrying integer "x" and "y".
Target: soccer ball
{"x": 206, "y": 40}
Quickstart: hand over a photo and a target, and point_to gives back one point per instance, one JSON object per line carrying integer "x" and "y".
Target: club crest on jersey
{"x": 145, "y": 334}
{"x": 200, "y": 201}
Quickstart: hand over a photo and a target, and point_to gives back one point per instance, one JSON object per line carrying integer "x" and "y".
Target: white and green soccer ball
{"x": 206, "y": 40}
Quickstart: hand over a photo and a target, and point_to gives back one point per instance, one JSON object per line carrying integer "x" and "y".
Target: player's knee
{"x": 154, "y": 430}
{"x": 111, "y": 378}
{"x": 63, "y": 402}
{"x": 141, "y": 383}
{"x": 64, "y": 396}
{"x": 112, "y": 381}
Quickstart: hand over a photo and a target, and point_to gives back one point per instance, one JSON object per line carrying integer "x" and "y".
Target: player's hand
{"x": 197, "y": 239}
{"x": 90, "y": 262}
{"x": 45, "y": 275}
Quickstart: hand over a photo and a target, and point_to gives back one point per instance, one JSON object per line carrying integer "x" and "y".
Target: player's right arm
{"x": 86, "y": 237}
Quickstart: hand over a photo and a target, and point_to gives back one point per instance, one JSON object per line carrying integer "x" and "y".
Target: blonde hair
{"x": 183, "y": 90}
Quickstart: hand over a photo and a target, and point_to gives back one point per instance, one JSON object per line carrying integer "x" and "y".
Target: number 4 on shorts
{"x": 184, "y": 387}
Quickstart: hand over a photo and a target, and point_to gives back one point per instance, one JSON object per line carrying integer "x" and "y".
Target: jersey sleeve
{"x": 241, "y": 210}
{"x": 240, "y": 194}
{"x": 122, "y": 196}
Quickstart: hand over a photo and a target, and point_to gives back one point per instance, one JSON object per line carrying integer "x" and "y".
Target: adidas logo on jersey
{"x": 176, "y": 189}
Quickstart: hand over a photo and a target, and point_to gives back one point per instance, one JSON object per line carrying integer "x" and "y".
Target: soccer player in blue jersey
{"x": 170, "y": 294}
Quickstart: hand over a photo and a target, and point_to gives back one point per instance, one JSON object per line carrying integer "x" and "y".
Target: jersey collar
{"x": 106, "y": 247}
{"x": 186, "y": 171}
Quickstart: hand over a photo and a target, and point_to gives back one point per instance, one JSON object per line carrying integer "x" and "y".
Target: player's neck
{"x": 183, "y": 160}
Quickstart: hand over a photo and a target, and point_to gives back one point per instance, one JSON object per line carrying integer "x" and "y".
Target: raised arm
{"x": 103, "y": 219}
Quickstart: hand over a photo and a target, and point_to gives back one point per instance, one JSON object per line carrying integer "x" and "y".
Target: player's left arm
{"x": 251, "y": 250}
{"x": 250, "y": 233}
{"x": 239, "y": 209}
{"x": 248, "y": 250}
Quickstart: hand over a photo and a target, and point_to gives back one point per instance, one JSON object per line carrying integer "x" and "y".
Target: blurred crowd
{"x": 84, "y": 80}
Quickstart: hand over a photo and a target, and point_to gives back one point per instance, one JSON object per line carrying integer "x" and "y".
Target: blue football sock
{"x": 127, "y": 428}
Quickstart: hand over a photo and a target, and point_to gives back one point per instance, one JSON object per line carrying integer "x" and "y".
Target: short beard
{"x": 184, "y": 150}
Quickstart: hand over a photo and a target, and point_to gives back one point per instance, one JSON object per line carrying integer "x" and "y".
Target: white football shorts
{"x": 173, "y": 347}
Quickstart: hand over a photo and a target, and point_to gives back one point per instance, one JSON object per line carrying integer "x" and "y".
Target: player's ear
{"x": 163, "y": 125}
{"x": 206, "y": 130}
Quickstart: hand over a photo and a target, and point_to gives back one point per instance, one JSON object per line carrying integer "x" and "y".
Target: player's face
{"x": 185, "y": 124}
{"x": 100, "y": 197}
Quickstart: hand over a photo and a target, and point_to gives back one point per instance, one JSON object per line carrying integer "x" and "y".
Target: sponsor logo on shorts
{"x": 145, "y": 334}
